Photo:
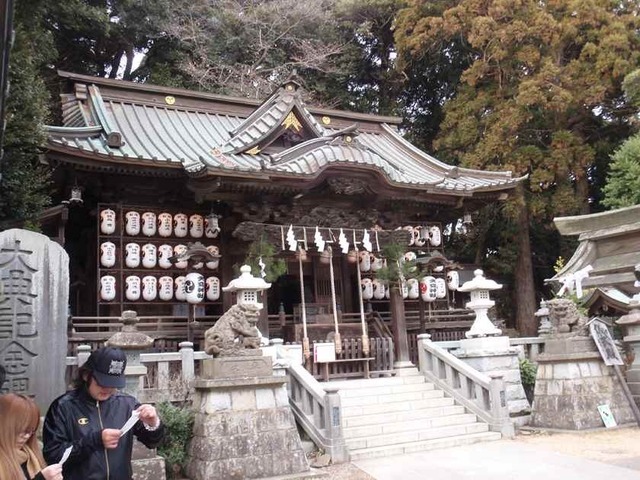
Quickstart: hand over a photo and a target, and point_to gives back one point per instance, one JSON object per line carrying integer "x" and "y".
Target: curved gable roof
{"x": 117, "y": 122}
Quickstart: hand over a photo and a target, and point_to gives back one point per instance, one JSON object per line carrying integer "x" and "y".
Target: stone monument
{"x": 244, "y": 427}
{"x": 34, "y": 294}
{"x": 489, "y": 352}
{"x": 572, "y": 380}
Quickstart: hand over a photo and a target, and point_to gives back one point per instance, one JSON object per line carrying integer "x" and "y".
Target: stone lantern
{"x": 247, "y": 287}
{"x": 480, "y": 303}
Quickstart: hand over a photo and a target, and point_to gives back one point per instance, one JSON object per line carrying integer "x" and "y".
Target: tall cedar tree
{"x": 25, "y": 186}
{"x": 541, "y": 95}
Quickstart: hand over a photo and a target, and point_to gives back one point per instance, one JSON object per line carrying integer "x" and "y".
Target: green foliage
{"x": 528, "y": 372}
{"x": 178, "y": 422}
{"x": 25, "y": 186}
{"x": 396, "y": 268}
{"x": 262, "y": 249}
{"x": 623, "y": 181}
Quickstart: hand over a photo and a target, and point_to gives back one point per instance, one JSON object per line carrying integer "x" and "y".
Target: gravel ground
{"x": 620, "y": 446}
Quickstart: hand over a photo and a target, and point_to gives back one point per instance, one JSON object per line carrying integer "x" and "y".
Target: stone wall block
{"x": 265, "y": 398}
{"x": 540, "y": 387}
{"x": 217, "y": 401}
{"x": 554, "y": 387}
{"x": 244, "y": 399}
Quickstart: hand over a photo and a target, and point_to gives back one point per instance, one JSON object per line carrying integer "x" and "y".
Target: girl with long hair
{"x": 20, "y": 456}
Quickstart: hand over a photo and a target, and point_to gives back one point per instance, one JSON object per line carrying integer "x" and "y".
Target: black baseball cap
{"x": 107, "y": 365}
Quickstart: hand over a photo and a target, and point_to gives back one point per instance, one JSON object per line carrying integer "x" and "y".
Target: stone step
{"x": 390, "y": 398}
{"x": 440, "y": 401}
{"x": 385, "y": 389}
{"x": 401, "y": 449}
{"x": 415, "y": 436}
{"x": 409, "y": 425}
{"x": 402, "y": 416}
{"x": 360, "y": 383}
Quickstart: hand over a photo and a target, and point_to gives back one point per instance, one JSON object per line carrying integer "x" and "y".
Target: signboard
{"x": 604, "y": 341}
{"x": 324, "y": 352}
{"x": 607, "y": 416}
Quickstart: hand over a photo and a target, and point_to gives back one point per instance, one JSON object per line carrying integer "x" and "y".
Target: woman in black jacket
{"x": 20, "y": 456}
{"x": 89, "y": 419}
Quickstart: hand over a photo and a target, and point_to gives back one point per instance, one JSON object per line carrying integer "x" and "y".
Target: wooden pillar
{"x": 399, "y": 329}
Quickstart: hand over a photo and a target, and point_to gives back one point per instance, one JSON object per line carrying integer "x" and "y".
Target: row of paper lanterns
{"x": 192, "y": 288}
{"x": 427, "y": 288}
{"x": 148, "y": 255}
{"x": 421, "y": 235}
{"x": 163, "y": 224}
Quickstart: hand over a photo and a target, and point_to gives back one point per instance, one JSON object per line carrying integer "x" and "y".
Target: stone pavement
{"x": 516, "y": 460}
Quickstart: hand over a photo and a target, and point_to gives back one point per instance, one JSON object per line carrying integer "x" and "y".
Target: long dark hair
{"x": 83, "y": 376}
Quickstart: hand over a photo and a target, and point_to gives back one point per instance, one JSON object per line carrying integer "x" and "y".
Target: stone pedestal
{"x": 244, "y": 427}
{"x": 571, "y": 382}
{"x": 631, "y": 325}
{"x": 494, "y": 356}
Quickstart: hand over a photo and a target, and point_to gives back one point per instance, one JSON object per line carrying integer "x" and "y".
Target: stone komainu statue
{"x": 565, "y": 318}
{"x": 235, "y": 333}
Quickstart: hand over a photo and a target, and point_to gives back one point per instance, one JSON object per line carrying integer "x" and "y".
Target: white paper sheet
{"x": 133, "y": 419}
{"x": 65, "y": 455}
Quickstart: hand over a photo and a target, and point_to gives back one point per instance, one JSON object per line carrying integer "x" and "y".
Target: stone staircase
{"x": 404, "y": 414}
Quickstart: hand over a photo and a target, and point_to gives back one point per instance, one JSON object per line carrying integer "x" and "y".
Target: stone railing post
{"x": 499, "y": 410}
{"x": 422, "y": 354}
{"x": 83, "y": 354}
{"x": 333, "y": 425}
{"x": 188, "y": 362}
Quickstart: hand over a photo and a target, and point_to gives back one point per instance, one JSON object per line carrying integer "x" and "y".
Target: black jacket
{"x": 76, "y": 418}
{"x": 38, "y": 476}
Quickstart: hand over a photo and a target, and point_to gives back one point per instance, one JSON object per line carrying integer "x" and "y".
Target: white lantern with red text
{"x": 428, "y": 288}
{"x": 196, "y": 226}
{"x": 180, "y": 225}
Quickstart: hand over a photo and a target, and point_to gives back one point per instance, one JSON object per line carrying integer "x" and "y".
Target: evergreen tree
{"x": 25, "y": 185}
{"x": 542, "y": 97}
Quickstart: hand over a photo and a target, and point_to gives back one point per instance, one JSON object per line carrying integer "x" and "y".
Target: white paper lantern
{"x": 379, "y": 289}
{"x": 196, "y": 226}
{"x": 178, "y": 288}
{"x": 453, "y": 280}
{"x": 149, "y": 255}
{"x": 412, "y": 238}
{"x": 367, "y": 288}
{"x": 180, "y": 225}
{"x": 211, "y": 226}
{"x": 149, "y": 288}
{"x": 108, "y": 288}
{"x": 215, "y": 251}
{"x": 364, "y": 258}
{"x": 376, "y": 263}
{"x": 107, "y": 254}
{"x": 165, "y": 252}
{"x": 132, "y": 223}
{"x": 428, "y": 288}
{"x": 404, "y": 289}
{"x": 213, "y": 288}
{"x": 418, "y": 238}
{"x": 107, "y": 221}
{"x": 194, "y": 287}
{"x": 165, "y": 224}
{"x": 179, "y": 250}
{"x": 132, "y": 288}
{"x": 441, "y": 288}
{"x": 435, "y": 236}
{"x": 132, "y": 255}
{"x": 413, "y": 287}
{"x": 148, "y": 224}
{"x": 165, "y": 288}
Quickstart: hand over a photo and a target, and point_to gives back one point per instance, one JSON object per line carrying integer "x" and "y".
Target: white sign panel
{"x": 608, "y": 350}
{"x": 324, "y": 352}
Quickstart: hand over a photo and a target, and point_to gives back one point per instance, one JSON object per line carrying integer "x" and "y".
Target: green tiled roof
{"x": 116, "y": 121}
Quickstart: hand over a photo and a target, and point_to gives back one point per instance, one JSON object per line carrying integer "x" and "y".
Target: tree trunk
{"x": 399, "y": 327}
{"x": 526, "y": 322}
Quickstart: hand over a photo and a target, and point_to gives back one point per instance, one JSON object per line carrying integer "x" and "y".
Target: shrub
{"x": 528, "y": 372}
{"x": 178, "y": 422}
